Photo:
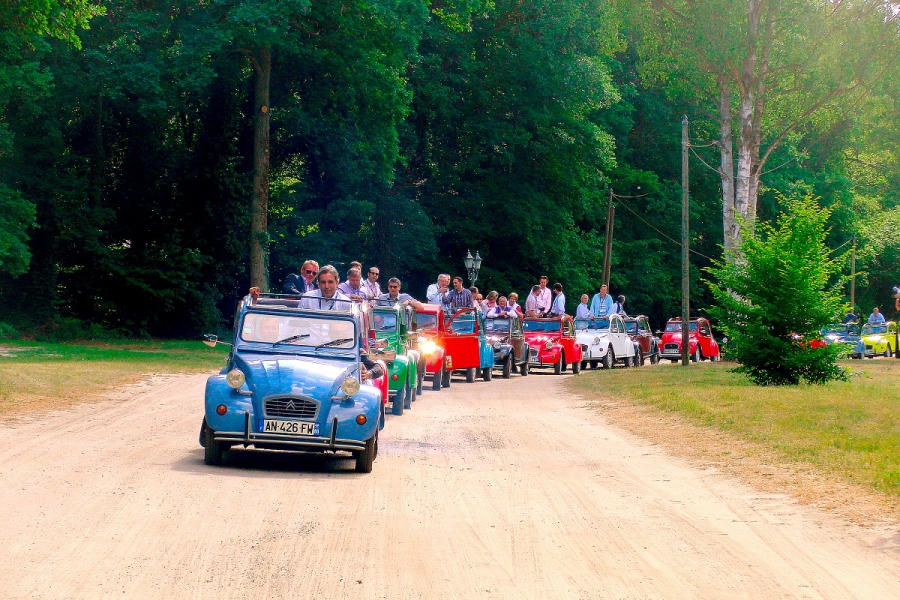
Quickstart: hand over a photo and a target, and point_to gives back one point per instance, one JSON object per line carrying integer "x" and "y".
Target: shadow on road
{"x": 266, "y": 463}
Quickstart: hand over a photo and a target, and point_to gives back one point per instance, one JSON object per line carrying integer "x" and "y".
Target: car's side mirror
{"x": 657, "y": 332}
{"x": 381, "y": 342}
{"x": 210, "y": 340}
{"x": 412, "y": 335}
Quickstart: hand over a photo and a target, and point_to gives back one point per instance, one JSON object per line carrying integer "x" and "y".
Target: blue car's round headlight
{"x": 235, "y": 379}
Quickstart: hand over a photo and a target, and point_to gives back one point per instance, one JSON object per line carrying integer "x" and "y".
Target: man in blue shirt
{"x": 394, "y": 295}
{"x": 602, "y": 303}
{"x": 876, "y": 316}
{"x": 558, "y": 309}
{"x": 459, "y": 297}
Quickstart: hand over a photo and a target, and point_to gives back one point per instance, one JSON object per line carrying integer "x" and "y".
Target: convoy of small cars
{"x": 314, "y": 380}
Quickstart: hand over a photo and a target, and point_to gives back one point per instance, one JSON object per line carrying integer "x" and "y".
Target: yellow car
{"x": 880, "y": 339}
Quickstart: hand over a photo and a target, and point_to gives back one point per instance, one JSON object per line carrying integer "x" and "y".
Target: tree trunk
{"x": 726, "y": 164}
{"x": 259, "y": 200}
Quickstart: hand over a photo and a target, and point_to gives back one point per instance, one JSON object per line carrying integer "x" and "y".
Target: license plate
{"x": 288, "y": 427}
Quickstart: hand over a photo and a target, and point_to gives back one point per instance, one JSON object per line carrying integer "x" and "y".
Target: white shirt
{"x": 316, "y": 301}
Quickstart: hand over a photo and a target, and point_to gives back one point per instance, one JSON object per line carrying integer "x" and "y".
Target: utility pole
{"x": 685, "y": 261}
{"x": 607, "y": 245}
{"x": 853, "y": 276}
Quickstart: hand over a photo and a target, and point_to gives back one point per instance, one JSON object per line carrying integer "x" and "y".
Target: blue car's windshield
{"x": 384, "y": 321}
{"x": 541, "y": 325}
{"x": 464, "y": 323}
{"x": 591, "y": 324}
{"x": 496, "y": 324}
{"x": 298, "y": 330}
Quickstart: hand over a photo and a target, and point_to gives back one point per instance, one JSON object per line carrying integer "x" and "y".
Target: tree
{"x": 765, "y": 68}
{"x": 775, "y": 293}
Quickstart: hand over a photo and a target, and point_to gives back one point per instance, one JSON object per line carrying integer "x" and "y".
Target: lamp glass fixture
{"x": 468, "y": 260}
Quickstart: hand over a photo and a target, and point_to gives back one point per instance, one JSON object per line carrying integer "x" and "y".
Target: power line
{"x": 651, "y": 226}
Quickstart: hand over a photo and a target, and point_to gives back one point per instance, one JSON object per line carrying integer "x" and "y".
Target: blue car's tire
{"x": 365, "y": 458}
{"x": 470, "y": 375}
{"x": 212, "y": 450}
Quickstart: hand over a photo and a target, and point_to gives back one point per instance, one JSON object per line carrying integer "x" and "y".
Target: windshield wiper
{"x": 293, "y": 338}
{"x": 334, "y": 343}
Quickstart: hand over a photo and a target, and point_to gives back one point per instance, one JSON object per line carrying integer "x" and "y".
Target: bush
{"x": 8, "y": 332}
{"x": 774, "y": 296}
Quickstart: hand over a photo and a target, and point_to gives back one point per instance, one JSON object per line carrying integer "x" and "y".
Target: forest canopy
{"x": 158, "y": 158}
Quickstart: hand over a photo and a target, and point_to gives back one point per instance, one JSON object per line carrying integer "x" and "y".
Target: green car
{"x": 395, "y": 329}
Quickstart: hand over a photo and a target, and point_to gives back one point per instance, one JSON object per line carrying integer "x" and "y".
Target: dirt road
{"x": 508, "y": 489}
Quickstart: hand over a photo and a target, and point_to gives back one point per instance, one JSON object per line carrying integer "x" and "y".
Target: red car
{"x": 553, "y": 343}
{"x": 700, "y": 341}
{"x": 431, "y": 328}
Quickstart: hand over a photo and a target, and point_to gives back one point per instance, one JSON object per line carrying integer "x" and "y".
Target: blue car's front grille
{"x": 297, "y": 408}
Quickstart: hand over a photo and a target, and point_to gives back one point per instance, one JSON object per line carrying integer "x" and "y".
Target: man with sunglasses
{"x": 394, "y": 295}
{"x": 371, "y": 285}
{"x": 305, "y": 282}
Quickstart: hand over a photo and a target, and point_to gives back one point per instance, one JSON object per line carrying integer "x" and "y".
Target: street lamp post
{"x": 473, "y": 265}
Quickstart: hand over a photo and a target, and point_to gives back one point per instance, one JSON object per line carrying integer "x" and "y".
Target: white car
{"x": 604, "y": 340}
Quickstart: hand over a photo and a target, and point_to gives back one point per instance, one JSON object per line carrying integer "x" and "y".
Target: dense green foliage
{"x": 403, "y": 132}
{"x": 758, "y": 288}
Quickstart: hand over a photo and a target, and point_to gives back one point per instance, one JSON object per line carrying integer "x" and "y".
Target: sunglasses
{"x": 310, "y": 272}
{"x": 373, "y": 272}
{"x": 393, "y": 287}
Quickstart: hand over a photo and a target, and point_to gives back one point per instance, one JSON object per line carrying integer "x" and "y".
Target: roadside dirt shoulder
{"x": 708, "y": 448}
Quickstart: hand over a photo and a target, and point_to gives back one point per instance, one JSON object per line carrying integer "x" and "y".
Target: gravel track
{"x": 508, "y": 489}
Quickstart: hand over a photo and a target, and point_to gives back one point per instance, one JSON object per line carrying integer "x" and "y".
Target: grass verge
{"x": 836, "y": 446}
{"x": 36, "y": 376}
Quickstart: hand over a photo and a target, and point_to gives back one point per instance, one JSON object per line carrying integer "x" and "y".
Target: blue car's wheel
{"x": 212, "y": 450}
{"x": 365, "y": 458}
